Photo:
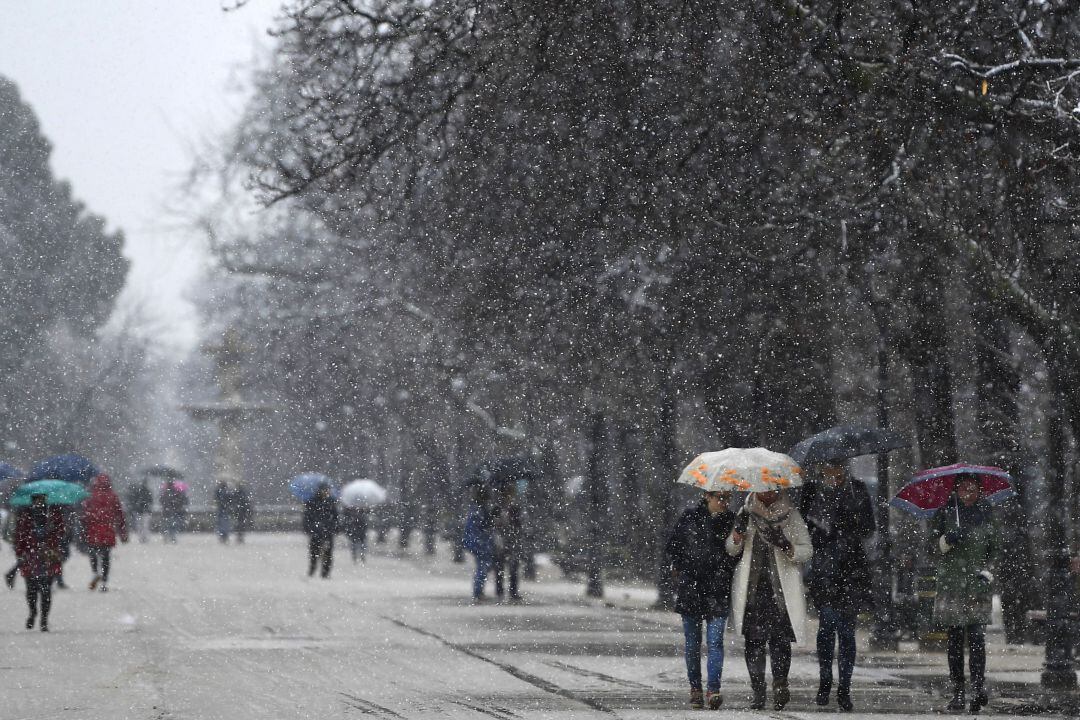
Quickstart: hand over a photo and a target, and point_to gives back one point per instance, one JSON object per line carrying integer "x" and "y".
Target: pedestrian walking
{"x": 702, "y": 572}
{"x": 478, "y": 539}
{"x": 39, "y": 534}
{"x": 354, "y": 523}
{"x": 244, "y": 510}
{"x": 839, "y": 517}
{"x": 321, "y": 525}
{"x": 102, "y": 521}
{"x": 174, "y": 502}
{"x": 768, "y": 604}
{"x": 968, "y": 541}
{"x": 509, "y": 537}
{"x": 140, "y": 505}
{"x": 223, "y": 499}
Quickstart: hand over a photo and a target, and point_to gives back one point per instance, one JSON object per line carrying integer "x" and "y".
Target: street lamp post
{"x": 595, "y": 564}
{"x": 1059, "y": 673}
{"x": 884, "y": 635}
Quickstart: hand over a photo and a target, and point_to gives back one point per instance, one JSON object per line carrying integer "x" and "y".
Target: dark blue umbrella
{"x": 304, "y": 485}
{"x": 7, "y": 472}
{"x": 69, "y": 468}
{"x": 846, "y": 441}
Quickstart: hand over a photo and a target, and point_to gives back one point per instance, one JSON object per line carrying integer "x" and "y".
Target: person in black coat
{"x": 839, "y": 516}
{"x": 321, "y": 524}
{"x": 244, "y": 510}
{"x": 703, "y": 571}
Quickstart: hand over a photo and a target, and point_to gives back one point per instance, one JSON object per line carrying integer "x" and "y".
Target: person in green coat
{"x": 967, "y": 538}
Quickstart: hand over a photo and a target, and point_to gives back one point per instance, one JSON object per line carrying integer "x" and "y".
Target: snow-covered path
{"x": 202, "y": 631}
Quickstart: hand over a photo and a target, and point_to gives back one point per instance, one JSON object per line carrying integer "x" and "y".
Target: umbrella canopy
{"x": 304, "y": 485}
{"x": 846, "y": 441}
{"x": 163, "y": 471}
{"x": 930, "y": 490}
{"x": 363, "y": 494}
{"x": 510, "y": 471}
{"x": 742, "y": 469}
{"x": 57, "y": 492}
{"x": 69, "y": 468}
{"x": 7, "y": 472}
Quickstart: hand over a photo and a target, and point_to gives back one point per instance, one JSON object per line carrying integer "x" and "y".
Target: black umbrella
{"x": 163, "y": 471}
{"x": 501, "y": 472}
{"x": 846, "y": 441}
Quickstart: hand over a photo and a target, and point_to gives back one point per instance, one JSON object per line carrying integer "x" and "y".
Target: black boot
{"x": 780, "y": 694}
{"x": 957, "y": 702}
{"x": 824, "y": 689}
{"x": 843, "y": 699}
{"x": 757, "y": 697}
{"x": 978, "y": 696}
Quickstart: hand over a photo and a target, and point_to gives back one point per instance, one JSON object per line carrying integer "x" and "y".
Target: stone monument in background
{"x": 231, "y": 413}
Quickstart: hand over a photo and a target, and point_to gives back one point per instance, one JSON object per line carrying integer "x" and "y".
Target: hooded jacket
{"x": 103, "y": 514}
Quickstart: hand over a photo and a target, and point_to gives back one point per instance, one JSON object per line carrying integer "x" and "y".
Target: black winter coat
{"x": 704, "y": 569}
{"x": 321, "y": 517}
{"x": 839, "y": 521}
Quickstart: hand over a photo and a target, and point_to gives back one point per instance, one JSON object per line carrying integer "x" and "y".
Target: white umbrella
{"x": 363, "y": 494}
{"x": 743, "y": 470}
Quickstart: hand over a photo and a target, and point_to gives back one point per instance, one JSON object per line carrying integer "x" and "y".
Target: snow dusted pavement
{"x": 203, "y": 631}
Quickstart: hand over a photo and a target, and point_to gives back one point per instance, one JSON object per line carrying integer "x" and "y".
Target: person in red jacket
{"x": 103, "y": 520}
{"x": 39, "y": 534}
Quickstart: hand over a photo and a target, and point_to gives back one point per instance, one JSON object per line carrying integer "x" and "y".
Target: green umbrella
{"x": 58, "y": 492}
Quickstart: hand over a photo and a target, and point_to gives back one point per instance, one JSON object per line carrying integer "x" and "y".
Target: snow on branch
{"x": 980, "y": 70}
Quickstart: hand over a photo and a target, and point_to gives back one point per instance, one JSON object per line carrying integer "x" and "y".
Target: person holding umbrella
{"x": 140, "y": 505}
{"x": 957, "y": 499}
{"x": 174, "y": 502}
{"x": 39, "y": 534}
{"x": 478, "y": 538}
{"x": 321, "y": 525}
{"x": 967, "y": 538}
{"x": 768, "y": 604}
{"x": 839, "y": 517}
{"x": 702, "y": 571}
{"x": 103, "y": 520}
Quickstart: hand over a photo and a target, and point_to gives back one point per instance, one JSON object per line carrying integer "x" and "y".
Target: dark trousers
{"x": 836, "y": 625}
{"x": 101, "y": 561}
{"x": 39, "y": 587}
{"x": 507, "y": 566}
{"x": 320, "y": 549}
{"x": 779, "y": 648}
{"x": 976, "y": 642}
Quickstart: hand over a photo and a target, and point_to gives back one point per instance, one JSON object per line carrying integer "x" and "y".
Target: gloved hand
{"x": 955, "y": 536}
{"x": 742, "y": 520}
{"x": 775, "y": 536}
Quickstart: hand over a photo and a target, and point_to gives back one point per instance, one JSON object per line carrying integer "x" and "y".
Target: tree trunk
{"x": 931, "y": 375}
{"x": 666, "y": 467}
{"x": 998, "y": 418}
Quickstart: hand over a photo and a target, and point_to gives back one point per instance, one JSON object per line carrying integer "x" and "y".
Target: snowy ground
{"x": 202, "y": 631}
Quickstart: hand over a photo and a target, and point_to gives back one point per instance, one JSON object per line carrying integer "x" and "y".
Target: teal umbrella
{"x": 58, "y": 492}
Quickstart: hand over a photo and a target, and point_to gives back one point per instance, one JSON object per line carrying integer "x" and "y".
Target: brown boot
{"x": 697, "y": 699}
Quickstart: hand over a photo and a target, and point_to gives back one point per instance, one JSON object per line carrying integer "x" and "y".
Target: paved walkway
{"x": 203, "y": 631}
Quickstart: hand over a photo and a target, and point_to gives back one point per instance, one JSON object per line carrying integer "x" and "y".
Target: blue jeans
{"x": 714, "y": 640}
{"x": 483, "y": 567}
{"x": 836, "y": 624}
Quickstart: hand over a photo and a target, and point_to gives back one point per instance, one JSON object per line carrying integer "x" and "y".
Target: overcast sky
{"x": 125, "y": 89}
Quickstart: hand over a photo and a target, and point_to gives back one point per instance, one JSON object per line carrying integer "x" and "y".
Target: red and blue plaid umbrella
{"x": 930, "y": 490}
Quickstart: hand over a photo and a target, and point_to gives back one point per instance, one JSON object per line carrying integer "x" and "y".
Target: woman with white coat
{"x": 768, "y": 602}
